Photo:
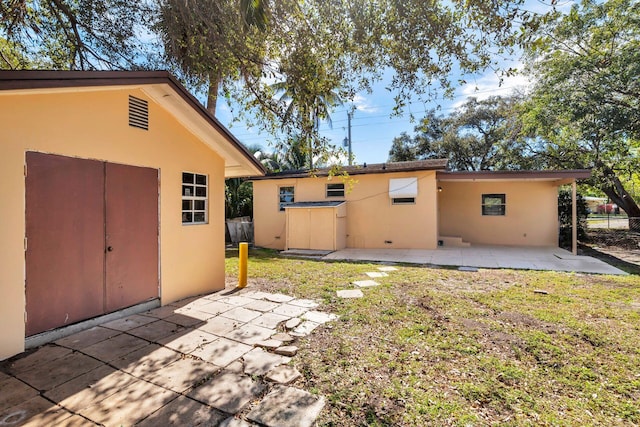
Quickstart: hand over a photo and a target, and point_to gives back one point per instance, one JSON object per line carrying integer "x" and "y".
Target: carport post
{"x": 574, "y": 218}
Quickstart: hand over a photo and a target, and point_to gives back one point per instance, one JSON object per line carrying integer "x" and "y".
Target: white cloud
{"x": 364, "y": 104}
{"x": 489, "y": 85}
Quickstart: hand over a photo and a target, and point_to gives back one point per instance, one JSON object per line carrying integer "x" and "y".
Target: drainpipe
{"x": 574, "y": 218}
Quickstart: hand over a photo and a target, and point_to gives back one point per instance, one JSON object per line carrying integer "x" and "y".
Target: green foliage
{"x": 480, "y": 135}
{"x": 238, "y": 198}
{"x": 585, "y": 105}
{"x": 77, "y": 34}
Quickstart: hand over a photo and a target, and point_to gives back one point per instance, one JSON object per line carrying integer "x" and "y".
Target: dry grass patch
{"x": 445, "y": 347}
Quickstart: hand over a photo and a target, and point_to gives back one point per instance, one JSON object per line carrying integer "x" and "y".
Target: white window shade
{"x": 403, "y": 187}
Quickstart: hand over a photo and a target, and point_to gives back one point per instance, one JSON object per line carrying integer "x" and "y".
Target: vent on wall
{"x": 138, "y": 113}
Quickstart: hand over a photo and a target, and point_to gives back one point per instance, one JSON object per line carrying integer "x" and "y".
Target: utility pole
{"x": 349, "y": 114}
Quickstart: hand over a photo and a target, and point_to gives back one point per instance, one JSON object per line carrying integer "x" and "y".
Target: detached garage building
{"x": 112, "y": 187}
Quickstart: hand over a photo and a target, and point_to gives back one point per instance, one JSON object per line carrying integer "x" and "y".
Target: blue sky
{"x": 373, "y": 127}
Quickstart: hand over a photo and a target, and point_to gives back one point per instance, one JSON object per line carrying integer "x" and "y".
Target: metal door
{"x": 92, "y": 239}
{"x": 131, "y": 255}
{"x": 65, "y": 240}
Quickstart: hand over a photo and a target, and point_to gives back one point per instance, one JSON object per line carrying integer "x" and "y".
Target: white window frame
{"x": 282, "y": 204}
{"x": 338, "y": 188}
{"x": 192, "y": 194}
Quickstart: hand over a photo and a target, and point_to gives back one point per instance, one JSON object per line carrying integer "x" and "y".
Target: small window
{"x": 335, "y": 190}
{"x": 404, "y": 200}
{"x": 194, "y": 198}
{"x": 493, "y": 204}
{"x": 286, "y": 196}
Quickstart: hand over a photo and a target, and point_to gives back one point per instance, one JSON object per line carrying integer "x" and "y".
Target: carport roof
{"x": 560, "y": 177}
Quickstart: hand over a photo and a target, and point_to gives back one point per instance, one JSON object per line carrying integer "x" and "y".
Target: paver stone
{"x": 35, "y": 412}
{"x": 156, "y": 330}
{"x": 250, "y": 334}
{"x": 306, "y": 303}
{"x": 293, "y": 323}
{"x": 87, "y": 337}
{"x": 350, "y": 293}
{"x": 287, "y": 407}
{"x": 281, "y": 336}
{"x": 146, "y": 359}
{"x": 129, "y": 322}
{"x": 222, "y": 351}
{"x": 290, "y": 310}
{"x": 259, "y": 362}
{"x": 228, "y": 391}
{"x": 49, "y": 375}
{"x": 287, "y": 350}
{"x": 366, "y": 283}
{"x": 219, "y": 325}
{"x": 241, "y": 314}
{"x": 278, "y": 298}
{"x": 269, "y": 320}
{"x": 262, "y": 306}
{"x": 182, "y": 374}
{"x": 13, "y": 392}
{"x": 283, "y": 374}
{"x": 184, "y": 412}
{"x": 319, "y": 316}
{"x": 304, "y": 329}
{"x": 187, "y": 341}
{"x": 114, "y": 347}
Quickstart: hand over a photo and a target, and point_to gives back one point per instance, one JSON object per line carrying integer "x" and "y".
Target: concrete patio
{"x": 526, "y": 258}
{"x": 221, "y": 359}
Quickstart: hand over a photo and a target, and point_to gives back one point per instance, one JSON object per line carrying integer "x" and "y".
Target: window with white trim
{"x": 494, "y": 204}
{"x": 335, "y": 190}
{"x": 287, "y": 196}
{"x": 404, "y": 200}
{"x": 195, "y": 192}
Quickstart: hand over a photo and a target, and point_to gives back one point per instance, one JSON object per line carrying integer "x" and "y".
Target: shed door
{"x": 65, "y": 241}
{"x": 131, "y": 196}
{"x": 76, "y": 210}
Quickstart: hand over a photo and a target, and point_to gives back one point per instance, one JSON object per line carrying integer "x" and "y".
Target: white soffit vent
{"x": 403, "y": 187}
{"x": 138, "y": 113}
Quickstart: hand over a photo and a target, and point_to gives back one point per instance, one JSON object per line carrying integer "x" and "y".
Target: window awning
{"x": 403, "y": 187}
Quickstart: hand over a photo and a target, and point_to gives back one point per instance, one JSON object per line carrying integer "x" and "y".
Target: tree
{"x": 480, "y": 135}
{"x": 76, "y": 34}
{"x": 215, "y": 42}
{"x": 586, "y": 102}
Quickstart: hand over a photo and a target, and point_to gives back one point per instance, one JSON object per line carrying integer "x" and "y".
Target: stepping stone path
{"x": 220, "y": 359}
{"x": 366, "y": 283}
{"x": 376, "y": 274}
{"x": 350, "y": 293}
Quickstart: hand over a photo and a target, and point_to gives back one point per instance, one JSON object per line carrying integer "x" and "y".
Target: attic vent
{"x": 138, "y": 113}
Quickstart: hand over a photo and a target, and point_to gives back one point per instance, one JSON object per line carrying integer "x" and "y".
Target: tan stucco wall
{"x": 531, "y": 213}
{"x": 371, "y": 217}
{"x": 94, "y": 125}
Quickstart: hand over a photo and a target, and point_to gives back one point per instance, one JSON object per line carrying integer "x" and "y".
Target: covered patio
{"x": 483, "y": 256}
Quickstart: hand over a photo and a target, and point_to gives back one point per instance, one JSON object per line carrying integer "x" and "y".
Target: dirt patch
{"x": 613, "y": 239}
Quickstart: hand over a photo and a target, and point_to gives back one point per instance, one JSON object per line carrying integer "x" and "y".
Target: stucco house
{"x": 112, "y": 187}
{"x": 408, "y": 205}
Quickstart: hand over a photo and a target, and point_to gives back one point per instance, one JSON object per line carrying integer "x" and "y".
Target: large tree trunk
{"x": 614, "y": 189}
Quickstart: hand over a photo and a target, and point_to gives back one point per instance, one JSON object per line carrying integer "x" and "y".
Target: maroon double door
{"x": 92, "y": 239}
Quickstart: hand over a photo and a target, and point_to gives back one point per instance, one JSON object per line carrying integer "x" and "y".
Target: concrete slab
{"x": 235, "y": 422}
{"x": 387, "y": 268}
{"x": 269, "y": 320}
{"x": 222, "y": 351}
{"x": 259, "y": 362}
{"x": 90, "y": 388}
{"x": 128, "y": 322}
{"x": 484, "y": 256}
{"x": 184, "y": 412}
{"x": 236, "y": 300}
{"x": 146, "y": 360}
{"x": 155, "y": 331}
{"x": 228, "y": 392}
{"x": 115, "y": 347}
{"x": 13, "y": 392}
{"x": 304, "y": 329}
{"x": 129, "y": 405}
{"x": 183, "y": 374}
{"x": 290, "y": 310}
{"x": 350, "y": 293}
{"x": 241, "y": 314}
{"x": 306, "y": 303}
{"x": 319, "y": 316}
{"x": 376, "y": 274}
{"x": 287, "y": 407}
{"x": 287, "y": 350}
{"x": 219, "y": 325}
{"x": 36, "y": 412}
{"x": 366, "y": 283}
{"x": 262, "y": 306}
{"x": 250, "y": 334}
{"x": 161, "y": 312}
{"x": 216, "y": 307}
{"x": 86, "y": 338}
{"x": 43, "y": 355}
{"x": 269, "y": 344}
{"x": 48, "y": 375}
{"x": 293, "y": 323}
{"x": 186, "y": 342}
{"x": 282, "y": 337}
{"x": 283, "y": 374}
{"x": 185, "y": 320}
{"x": 278, "y": 298}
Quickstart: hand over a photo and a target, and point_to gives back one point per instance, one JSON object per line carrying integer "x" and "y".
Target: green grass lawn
{"x": 444, "y": 347}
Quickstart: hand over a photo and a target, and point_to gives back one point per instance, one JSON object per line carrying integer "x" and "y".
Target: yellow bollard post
{"x": 243, "y": 255}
